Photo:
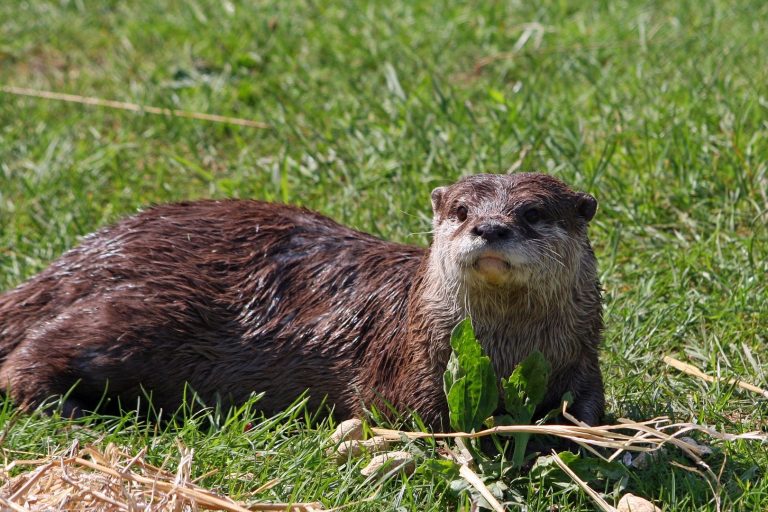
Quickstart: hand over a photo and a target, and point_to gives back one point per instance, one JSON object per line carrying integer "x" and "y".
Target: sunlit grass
{"x": 658, "y": 109}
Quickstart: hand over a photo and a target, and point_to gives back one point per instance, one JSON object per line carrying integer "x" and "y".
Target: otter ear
{"x": 586, "y": 206}
{"x": 437, "y": 198}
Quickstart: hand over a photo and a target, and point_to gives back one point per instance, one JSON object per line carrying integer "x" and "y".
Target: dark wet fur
{"x": 234, "y": 297}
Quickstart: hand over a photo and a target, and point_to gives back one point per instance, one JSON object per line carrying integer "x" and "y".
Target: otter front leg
{"x": 589, "y": 398}
{"x": 585, "y": 383}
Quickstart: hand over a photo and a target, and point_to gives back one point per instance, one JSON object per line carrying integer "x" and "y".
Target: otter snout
{"x": 495, "y": 251}
{"x": 492, "y": 231}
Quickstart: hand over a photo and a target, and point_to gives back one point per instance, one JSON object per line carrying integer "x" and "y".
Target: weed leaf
{"x": 526, "y": 387}
{"x": 469, "y": 381}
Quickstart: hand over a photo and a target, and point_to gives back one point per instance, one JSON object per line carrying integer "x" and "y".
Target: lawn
{"x": 658, "y": 109}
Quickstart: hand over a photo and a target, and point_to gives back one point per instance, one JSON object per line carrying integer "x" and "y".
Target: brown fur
{"x": 235, "y": 297}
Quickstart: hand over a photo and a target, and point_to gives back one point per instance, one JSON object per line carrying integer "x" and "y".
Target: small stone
{"x": 632, "y": 503}
{"x": 351, "y": 430}
{"x": 645, "y": 459}
{"x": 699, "y": 449}
{"x": 402, "y": 461}
{"x": 347, "y": 430}
{"x": 375, "y": 444}
{"x": 356, "y": 448}
{"x": 347, "y": 450}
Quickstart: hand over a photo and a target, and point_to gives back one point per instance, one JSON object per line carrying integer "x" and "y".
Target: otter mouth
{"x": 492, "y": 263}
{"x": 492, "y": 268}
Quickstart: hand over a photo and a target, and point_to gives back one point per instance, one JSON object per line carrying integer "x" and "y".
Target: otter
{"x": 235, "y": 297}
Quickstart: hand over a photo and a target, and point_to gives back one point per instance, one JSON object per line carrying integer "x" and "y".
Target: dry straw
{"x": 133, "y": 107}
{"x": 633, "y": 436}
{"x": 691, "y": 370}
{"x": 92, "y": 480}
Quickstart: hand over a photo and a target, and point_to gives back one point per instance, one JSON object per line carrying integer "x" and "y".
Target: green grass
{"x": 659, "y": 109}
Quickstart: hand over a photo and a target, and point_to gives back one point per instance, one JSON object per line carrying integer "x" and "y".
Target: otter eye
{"x": 532, "y": 215}
{"x": 461, "y": 213}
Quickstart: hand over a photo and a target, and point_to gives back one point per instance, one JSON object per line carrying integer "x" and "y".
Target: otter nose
{"x": 491, "y": 232}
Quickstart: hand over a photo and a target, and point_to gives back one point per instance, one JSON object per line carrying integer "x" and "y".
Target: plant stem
{"x": 518, "y": 456}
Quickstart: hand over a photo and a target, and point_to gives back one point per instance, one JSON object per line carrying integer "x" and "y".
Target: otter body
{"x": 235, "y": 297}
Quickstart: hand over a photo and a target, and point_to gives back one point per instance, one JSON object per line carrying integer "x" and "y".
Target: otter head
{"x": 497, "y": 232}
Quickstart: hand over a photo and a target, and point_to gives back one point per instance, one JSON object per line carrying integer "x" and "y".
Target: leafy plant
{"x": 469, "y": 381}
{"x": 523, "y": 391}
{"x": 472, "y": 388}
{"x": 474, "y": 394}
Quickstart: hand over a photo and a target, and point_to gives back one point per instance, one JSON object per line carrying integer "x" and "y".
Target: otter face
{"x": 510, "y": 230}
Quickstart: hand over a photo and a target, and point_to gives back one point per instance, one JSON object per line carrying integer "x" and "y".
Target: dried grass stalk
{"x": 691, "y": 370}
{"x": 636, "y": 436}
{"x": 92, "y": 480}
{"x": 132, "y": 107}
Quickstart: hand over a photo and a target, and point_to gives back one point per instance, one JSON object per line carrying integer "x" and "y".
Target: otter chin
{"x": 235, "y": 297}
{"x": 493, "y": 269}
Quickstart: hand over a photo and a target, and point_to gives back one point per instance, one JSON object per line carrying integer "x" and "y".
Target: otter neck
{"x": 510, "y": 321}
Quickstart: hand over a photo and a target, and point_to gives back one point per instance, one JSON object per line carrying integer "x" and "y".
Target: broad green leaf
{"x": 458, "y": 409}
{"x": 469, "y": 381}
{"x": 445, "y": 469}
{"x": 463, "y": 341}
{"x": 483, "y": 389}
{"x": 589, "y": 469}
{"x": 545, "y": 466}
{"x": 526, "y": 387}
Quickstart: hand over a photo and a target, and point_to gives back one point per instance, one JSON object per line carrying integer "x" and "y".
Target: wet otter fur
{"x": 239, "y": 296}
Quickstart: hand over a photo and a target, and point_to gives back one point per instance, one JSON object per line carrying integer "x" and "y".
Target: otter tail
{"x": 11, "y": 332}
{"x": 20, "y": 309}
